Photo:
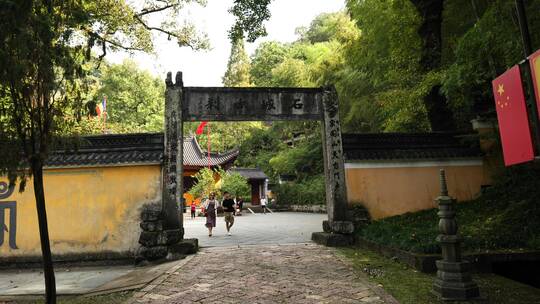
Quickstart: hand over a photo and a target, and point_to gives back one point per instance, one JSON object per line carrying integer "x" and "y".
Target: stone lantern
{"x": 454, "y": 281}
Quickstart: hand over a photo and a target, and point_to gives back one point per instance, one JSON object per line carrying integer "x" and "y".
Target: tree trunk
{"x": 48, "y": 271}
{"x": 439, "y": 114}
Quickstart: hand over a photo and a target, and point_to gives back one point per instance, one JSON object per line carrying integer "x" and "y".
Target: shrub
{"x": 206, "y": 183}
{"x": 307, "y": 192}
{"x": 235, "y": 184}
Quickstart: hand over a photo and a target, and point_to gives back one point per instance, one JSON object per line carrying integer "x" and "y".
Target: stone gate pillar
{"x": 336, "y": 191}
{"x": 173, "y": 153}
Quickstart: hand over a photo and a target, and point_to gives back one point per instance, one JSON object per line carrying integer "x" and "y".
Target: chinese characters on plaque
{"x": 221, "y": 104}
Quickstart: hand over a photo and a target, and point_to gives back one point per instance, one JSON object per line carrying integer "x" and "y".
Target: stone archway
{"x": 251, "y": 104}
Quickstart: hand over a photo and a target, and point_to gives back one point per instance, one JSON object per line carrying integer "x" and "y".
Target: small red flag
{"x": 534, "y": 61}
{"x": 200, "y": 128}
{"x": 512, "y": 115}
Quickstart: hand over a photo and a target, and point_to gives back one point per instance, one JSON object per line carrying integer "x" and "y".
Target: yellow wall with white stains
{"x": 89, "y": 210}
{"x": 389, "y": 189}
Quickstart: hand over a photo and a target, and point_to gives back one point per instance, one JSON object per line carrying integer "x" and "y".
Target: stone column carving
{"x": 162, "y": 233}
{"x": 336, "y": 192}
{"x": 172, "y": 158}
{"x": 453, "y": 280}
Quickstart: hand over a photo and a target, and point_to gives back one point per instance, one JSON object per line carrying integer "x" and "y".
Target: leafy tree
{"x": 37, "y": 68}
{"x": 292, "y": 72}
{"x": 235, "y": 184}
{"x": 478, "y": 53}
{"x": 384, "y": 63}
{"x": 447, "y": 53}
{"x": 257, "y": 150}
{"x": 302, "y": 160}
{"x": 250, "y": 15}
{"x": 267, "y": 56}
{"x": 134, "y": 98}
{"x": 237, "y": 74}
{"x": 206, "y": 183}
{"x": 439, "y": 114}
{"x": 327, "y": 27}
{"x": 218, "y": 181}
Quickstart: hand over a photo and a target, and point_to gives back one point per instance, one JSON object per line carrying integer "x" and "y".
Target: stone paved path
{"x": 298, "y": 273}
{"x": 250, "y": 229}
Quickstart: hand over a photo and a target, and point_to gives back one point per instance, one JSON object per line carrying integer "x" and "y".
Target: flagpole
{"x": 527, "y": 49}
{"x": 208, "y": 143}
{"x": 524, "y": 28}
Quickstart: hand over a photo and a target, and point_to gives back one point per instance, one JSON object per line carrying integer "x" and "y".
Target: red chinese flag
{"x": 512, "y": 115}
{"x": 200, "y": 128}
{"x": 534, "y": 61}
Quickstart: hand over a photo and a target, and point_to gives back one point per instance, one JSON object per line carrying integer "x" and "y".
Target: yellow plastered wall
{"x": 89, "y": 210}
{"x": 388, "y": 191}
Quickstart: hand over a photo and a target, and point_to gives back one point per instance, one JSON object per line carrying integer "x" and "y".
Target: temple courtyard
{"x": 250, "y": 229}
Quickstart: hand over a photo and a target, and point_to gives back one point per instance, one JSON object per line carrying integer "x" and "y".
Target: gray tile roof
{"x": 409, "y": 146}
{"x": 125, "y": 149}
{"x": 195, "y": 156}
{"x": 249, "y": 173}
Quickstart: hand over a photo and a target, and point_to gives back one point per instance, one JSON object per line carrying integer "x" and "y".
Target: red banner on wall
{"x": 534, "y": 61}
{"x": 512, "y": 116}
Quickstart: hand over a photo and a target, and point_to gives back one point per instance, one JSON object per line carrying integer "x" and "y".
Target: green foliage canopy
{"x": 218, "y": 181}
{"x": 206, "y": 183}
{"x": 134, "y": 98}
{"x": 235, "y": 184}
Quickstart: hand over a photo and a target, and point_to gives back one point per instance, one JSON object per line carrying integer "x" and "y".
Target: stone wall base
{"x": 332, "y": 239}
{"x": 480, "y": 262}
{"x": 104, "y": 258}
{"x": 185, "y": 246}
{"x": 158, "y": 243}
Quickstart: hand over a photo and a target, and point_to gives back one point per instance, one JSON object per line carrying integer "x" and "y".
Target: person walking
{"x": 263, "y": 205}
{"x": 228, "y": 208}
{"x": 193, "y": 209}
{"x": 210, "y": 211}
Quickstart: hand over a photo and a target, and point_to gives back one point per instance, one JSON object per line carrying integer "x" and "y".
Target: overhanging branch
{"x": 169, "y": 33}
{"x": 146, "y": 11}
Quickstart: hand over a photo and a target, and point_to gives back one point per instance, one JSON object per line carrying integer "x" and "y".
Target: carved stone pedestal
{"x": 454, "y": 281}
{"x": 336, "y": 234}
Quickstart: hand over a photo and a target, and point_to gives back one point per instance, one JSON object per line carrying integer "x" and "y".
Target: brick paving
{"x": 296, "y": 273}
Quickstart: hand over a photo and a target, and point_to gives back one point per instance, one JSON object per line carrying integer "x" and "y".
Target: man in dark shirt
{"x": 228, "y": 208}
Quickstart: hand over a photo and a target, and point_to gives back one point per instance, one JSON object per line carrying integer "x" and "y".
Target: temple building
{"x": 195, "y": 159}
{"x": 257, "y": 180}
